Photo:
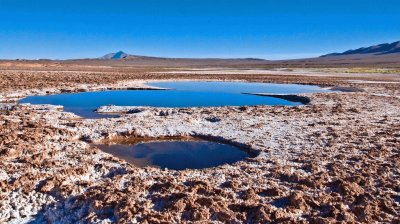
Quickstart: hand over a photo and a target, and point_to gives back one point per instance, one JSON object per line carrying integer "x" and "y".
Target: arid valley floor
{"x": 335, "y": 159}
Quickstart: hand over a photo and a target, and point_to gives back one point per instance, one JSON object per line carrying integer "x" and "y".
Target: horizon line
{"x": 279, "y": 57}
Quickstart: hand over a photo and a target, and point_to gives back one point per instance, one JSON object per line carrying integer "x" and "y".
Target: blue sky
{"x": 271, "y": 29}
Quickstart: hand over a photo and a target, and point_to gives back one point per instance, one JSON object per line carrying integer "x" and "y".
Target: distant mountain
{"x": 381, "y": 49}
{"x": 125, "y": 57}
{"x": 117, "y": 55}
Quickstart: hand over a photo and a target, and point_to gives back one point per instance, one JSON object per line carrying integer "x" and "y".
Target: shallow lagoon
{"x": 181, "y": 94}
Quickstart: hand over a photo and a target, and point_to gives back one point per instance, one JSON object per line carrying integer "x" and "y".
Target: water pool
{"x": 176, "y": 155}
{"x": 181, "y": 94}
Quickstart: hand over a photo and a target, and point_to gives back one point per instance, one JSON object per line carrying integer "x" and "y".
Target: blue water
{"x": 184, "y": 94}
{"x": 240, "y": 87}
{"x": 176, "y": 155}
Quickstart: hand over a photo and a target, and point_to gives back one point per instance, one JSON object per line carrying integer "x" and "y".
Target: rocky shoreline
{"x": 335, "y": 159}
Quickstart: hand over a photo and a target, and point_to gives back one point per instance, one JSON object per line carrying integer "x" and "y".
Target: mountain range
{"x": 380, "y": 49}
{"x": 381, "y": 54}
{"x": 390, "y": 49}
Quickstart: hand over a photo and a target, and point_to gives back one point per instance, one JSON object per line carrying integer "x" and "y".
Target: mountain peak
{"x": 116, "y": 55}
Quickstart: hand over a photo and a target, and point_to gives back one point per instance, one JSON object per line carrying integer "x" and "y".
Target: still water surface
{"x": 176, "y": 155}
{"x": 182, "y": 94}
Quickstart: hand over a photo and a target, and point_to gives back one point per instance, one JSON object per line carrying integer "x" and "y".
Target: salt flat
{"x": 336, "y": 158}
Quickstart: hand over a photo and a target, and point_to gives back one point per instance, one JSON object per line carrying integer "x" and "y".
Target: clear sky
{"x": 271, "y": 29}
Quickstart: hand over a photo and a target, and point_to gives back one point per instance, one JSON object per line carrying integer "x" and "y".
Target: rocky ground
{"x": 336, "y": 159}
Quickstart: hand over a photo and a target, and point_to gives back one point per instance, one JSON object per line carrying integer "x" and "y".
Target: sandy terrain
{"x": 336, "y": 159}
{"x": 296, "y": 72}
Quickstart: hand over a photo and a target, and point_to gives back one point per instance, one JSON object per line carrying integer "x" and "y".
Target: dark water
{"x": 185, "y": 94}
{"x": 176, "y": 155}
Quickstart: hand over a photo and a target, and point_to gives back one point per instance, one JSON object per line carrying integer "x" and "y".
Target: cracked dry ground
{"x": 339, "y": 160}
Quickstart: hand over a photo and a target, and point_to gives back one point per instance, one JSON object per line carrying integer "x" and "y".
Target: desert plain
{"x": 336, "y": 159}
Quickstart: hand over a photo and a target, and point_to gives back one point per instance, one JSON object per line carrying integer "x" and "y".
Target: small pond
{"x": 176, "y": 154}
{"x": 181, "y": 94}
